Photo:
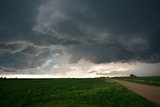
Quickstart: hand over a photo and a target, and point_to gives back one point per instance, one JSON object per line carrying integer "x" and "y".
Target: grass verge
{"x": 155, "y": 80}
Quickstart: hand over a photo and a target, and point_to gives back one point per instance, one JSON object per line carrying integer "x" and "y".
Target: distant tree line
{"x": 5, "y": 78}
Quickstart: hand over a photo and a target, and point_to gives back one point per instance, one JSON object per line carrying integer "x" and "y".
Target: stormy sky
{"x": 79, "y": 38}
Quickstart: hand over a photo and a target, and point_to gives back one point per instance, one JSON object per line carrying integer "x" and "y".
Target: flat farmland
{"x": 71, "y": 92}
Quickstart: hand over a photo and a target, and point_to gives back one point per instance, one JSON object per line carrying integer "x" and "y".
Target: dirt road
{"x": 151, "y": 93}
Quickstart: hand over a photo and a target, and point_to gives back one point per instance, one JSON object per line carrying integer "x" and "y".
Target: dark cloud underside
{"x": 100, "y": 31}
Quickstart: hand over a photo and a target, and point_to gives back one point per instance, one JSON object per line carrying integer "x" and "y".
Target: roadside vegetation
{"x": 154, "y": 80}
{"x": 95, "y": 92}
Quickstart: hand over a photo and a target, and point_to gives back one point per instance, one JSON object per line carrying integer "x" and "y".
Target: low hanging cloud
{"x": 26, "y": 55}
{"x": 93, "y": 40}
{"x": 63, "y": 33}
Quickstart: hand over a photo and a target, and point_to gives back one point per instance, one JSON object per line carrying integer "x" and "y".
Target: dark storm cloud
{"x": 99, "y": 31}
{"x": 100, "y": 53}
{"x": 23, "y": 55}
{"x": 129, "y": 25}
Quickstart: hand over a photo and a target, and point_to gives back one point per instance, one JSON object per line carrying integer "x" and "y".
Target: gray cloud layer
{"x": 97, "y": 31}
{"x": 92, "y": 29}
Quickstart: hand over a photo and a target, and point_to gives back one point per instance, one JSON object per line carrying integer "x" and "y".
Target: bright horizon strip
{"x": 43, "y": 76}
{"x": 88, "y": 70}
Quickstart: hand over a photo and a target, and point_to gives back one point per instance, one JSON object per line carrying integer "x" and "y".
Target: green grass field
{"x": 96, "y": 92}
{"x": 155, "y": 80}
